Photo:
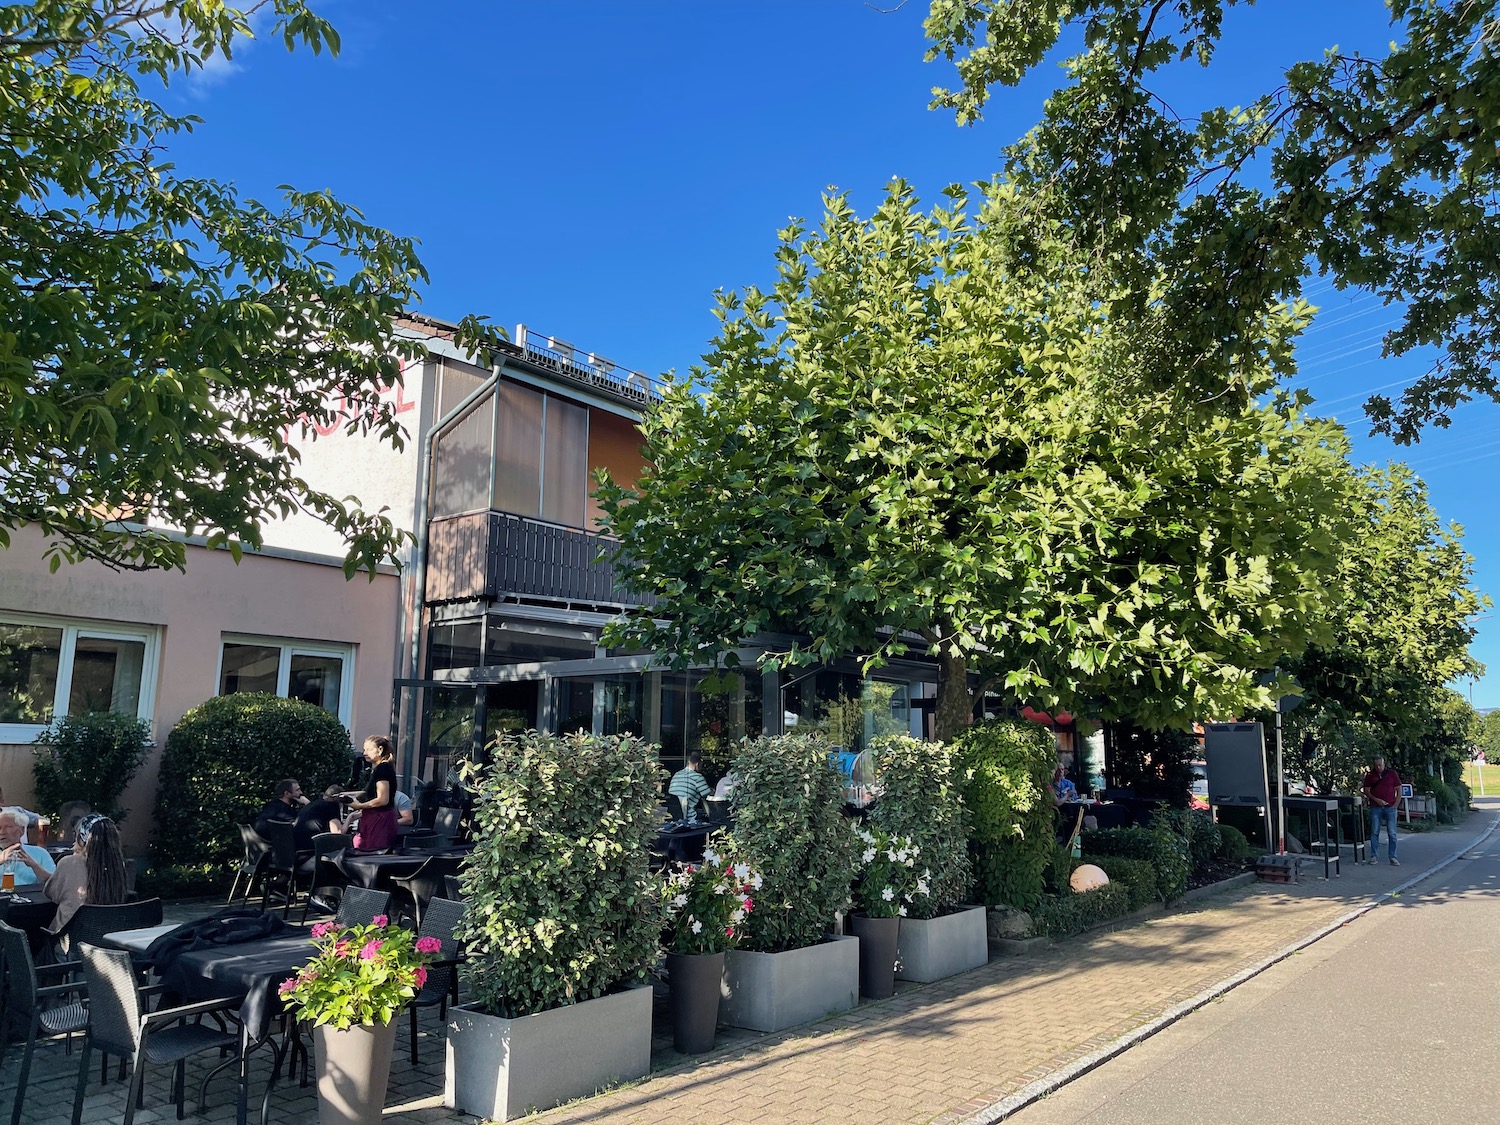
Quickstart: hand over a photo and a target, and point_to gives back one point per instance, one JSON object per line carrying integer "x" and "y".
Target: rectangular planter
{"x": 503, "y": 1068}
{"x": 773, "y": 991}
{"x": 933, "y": 948}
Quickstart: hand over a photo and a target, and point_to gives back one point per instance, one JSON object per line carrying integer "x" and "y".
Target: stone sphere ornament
{"x": 1088, "y": 878}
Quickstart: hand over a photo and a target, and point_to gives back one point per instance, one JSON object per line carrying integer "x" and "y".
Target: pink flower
{"x": 380, "y": 920}
{"x": 342, "y": 948}
{"x": 747, "y": 904}
{"x": 729, "y": 931}
{"x": 421, "y": 975}
{"x": 371, "y": 950}
{"x": 323, "y": 929}
{"x": 429, "y": 945}
{"x": 287, "y": 986}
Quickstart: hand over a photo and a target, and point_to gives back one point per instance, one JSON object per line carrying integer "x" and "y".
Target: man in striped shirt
{"x": 688, "y": 786}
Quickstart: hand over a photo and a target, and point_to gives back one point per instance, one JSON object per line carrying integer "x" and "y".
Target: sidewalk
{"x": 946, "y": 1053}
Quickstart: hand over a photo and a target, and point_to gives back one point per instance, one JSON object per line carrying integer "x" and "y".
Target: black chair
{"x": 453, "y": 889}
{"x": 91, "y": 922}
{"x": 415, "y": 891}
{"x": 323, "y": 874}
{"x": 419, "y": 840}
{"x": 441, "y": 986}
{"x": 447, "y": 824}
{"x": 360, "y": 904}
{"x": 282, "y": 865}
{"x": 252, "y": 865}
{"x": 674, "y": 807}
{"x": 119, "y": 1025}
{"x": 24, "y": 1012}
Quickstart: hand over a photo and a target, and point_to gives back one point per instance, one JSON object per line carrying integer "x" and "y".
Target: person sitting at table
{"x": 29, "y": 863}
{"x": 94, "y": 873}
{"x": 283, "y": 807}
{"x": 376, "y": 802}
{"x": 1063, "y": 790}
{"x": 406, "y": 815}
{"x": 688, "y": 786}
{"x": 726, "y": 785}
{"x": 326, "y": 814}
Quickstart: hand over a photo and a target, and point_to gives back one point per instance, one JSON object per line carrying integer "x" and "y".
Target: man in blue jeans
{"x": 1382, "y": 789}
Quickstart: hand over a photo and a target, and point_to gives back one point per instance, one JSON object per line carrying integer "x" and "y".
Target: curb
{"x": 1008, "y": 1105}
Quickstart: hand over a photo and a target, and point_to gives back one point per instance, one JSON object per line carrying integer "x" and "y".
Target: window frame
{"x": 72, "y": 629}
{"x": 290, "y": 647}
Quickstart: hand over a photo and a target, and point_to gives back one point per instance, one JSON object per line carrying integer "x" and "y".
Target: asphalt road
{"x": 1393, "y": 1018}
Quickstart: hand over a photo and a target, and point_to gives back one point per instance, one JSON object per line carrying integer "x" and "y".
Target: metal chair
{"x": 252, "y": 865}
{"x": 360, "y": 904}
{"x": 119, "y": 1025}
{"x": 440, "y": 988}
{"x": 324, "y": 873}
{"x": 23, "y": 1007}
{"x": 281, "y": 868}
{"x": 92, "y": 921}
{"x": 415, "y": 891}
{"x": 448, "y": 823}
{"x": 453, "y": 889}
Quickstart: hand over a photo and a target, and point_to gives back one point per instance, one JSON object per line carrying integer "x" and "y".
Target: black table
{"x": 1320, "y": 812}
{"x": 31, "y": 910}
{"x": 683, "y": 840}
{"x": 377, "y": 869}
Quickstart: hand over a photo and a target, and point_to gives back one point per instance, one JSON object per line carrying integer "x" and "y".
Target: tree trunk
{"x": 955, "y": 710}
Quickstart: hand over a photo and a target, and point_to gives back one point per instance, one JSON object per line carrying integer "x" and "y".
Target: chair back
{"x": 326, "y": 845}
{"x": 674, "y": 807}
{"x": 255, "y": 845}
{"x": 440, "y": 920}
{"x": 360, "y": 904}
{"x": 426, "y": 882}
{"x": 718, "y": 810}
{"x": 20, "y": 973}
{"x": 92, "y": 921}
{"x": 447, "y": 823}
{"x": 419, "y": 839}
{"x": 114, "y": 1003}
{"x": 281, "y": 835}
{"x": 452, "y": 889}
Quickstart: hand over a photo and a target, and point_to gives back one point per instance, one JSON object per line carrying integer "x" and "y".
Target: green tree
{"x": 165, "y": 344}
{"x": 1383, "y": 173}
{"x": 933, "y": 434}
{"x": 1490, "y": 739}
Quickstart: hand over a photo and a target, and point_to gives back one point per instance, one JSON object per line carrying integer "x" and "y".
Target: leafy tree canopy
{"x": 936, "y": 433}
{"x": 164, "y": 343}
{"x": 1381, "y": 173}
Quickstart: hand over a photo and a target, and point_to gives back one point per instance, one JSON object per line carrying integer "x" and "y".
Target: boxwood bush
{"x": 561, "y": 901}
{"x": 1006, "y": 768}
{"x": 1163, "y": 849}
{"x": 1233, "y": 847}
{"x": 1137, "y": 876}
{"x": 920, "y": 799}
{"x": 221, "y": 765}
{"x": 89, "y": 757}
{"x": 789, "y": 825}
{"x": 1198, "y": 829}
{"x": 1066, "y": 914}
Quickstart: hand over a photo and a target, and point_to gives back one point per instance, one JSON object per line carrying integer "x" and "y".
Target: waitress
{"x": 376, "y": 804}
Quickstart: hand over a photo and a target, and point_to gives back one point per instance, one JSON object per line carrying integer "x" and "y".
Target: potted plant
{"x": 706, "y": 906}
{"x": 790, "y": 827}
{"x": 351, "y": 990}
{"x": 563, "y": 921}
{"x": 889, "y": 882}
{"x": 920, "y": 800}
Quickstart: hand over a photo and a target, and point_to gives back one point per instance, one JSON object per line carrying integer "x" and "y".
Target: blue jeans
{"x": 1386, "y": 814}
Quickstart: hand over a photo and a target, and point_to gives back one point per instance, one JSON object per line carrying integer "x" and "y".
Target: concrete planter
{"x": 503, "y": 1068}
{"x": 933, "y": 948}
{"x": 773, "y": 991}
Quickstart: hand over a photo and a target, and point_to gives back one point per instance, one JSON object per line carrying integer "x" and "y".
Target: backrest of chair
{"x": 453, "y": 889}
{"x": 439, "y": 920}
{"x": 92, "y": 921}
{"x": 426, "y": 883}
{"x": 419, "y": 839}
{"x": 360, "y": 904}
{"x": 674, "y": 806}
{"x": 20, "y": 971}
{"x": 254, "y": 844}
{"x": 326, "y": 844}
{"x": 114, "y": 1004}
{"x": 447, "y": 822}
{"x": 281, "y": 835}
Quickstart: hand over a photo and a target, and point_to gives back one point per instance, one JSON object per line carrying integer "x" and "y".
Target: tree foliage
{"x": 934, "y": 434}
{"x": 164, "y": 343}
{"x": 1383, "y": 171}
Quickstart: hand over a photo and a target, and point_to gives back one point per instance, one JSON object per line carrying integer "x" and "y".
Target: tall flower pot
{"x": 774, "y": 991}
{"x": 878, "y": 938}
{"x": 933, "y": 948}
{"x": 696, "y": 979}
{"x": 354, "y": 1068}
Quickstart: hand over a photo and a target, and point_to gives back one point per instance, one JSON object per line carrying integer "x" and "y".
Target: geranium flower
{"x": 421, "y": 975}
{"x": 429, "y": 945}
{"x": 380, "y": 920}
{"x": 287, "y": 986}
{"x": 323, "y": 929}
{"x": 371, "y": 950}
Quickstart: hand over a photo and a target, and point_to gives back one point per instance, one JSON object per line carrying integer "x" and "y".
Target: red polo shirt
{"x": 1385, "y": 786}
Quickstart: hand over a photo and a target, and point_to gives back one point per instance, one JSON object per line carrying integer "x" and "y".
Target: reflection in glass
{"x": 249, "y": 668}
{"x": 29, "y": 658}
{"x": 106, "y": 675}
{"x": 453, "y": 644}
{"x": 316, "y": 678}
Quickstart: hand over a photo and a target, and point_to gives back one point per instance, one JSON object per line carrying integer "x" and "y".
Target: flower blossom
{"x": 709, "y": 856}
{"x": 888, "y": 894}
{"x": 742, "y": 871}
{"x": 323, "y": 929}
{"x": 679, "y": 901}
{"x": 697, "y": 926}
{"x": 756, "y": 882}
{"x": 429, "y": 945}
{"x": 287, "y": 986}
{"x": 902, "y": 912}
{"x": 380, "y": 920}
{"x": 869, "y": 856}
{"x": 421, "y": 975}
{"x": 371, "y": 950}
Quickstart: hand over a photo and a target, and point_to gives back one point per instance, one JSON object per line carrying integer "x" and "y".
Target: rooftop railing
{"x": 589, "y": 367}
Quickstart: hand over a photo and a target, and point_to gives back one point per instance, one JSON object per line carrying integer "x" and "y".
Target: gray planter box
{"x": 500, "y": 1069}
{"x": 773, "y": 991}
{"x": 933, "y": 948}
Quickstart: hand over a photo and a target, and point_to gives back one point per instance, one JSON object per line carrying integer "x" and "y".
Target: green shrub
{"x": 789, "y": 825}
{"x": 185, "y": 880}
{"x": 1006, "y": 768}
{"x": 89, "y": 757}
{"x": 1233, "y": 847}
{"x": 1159, "y": 846}
{"x": 561, "y": 900}
{"x": 1063, "y": 915}
{"x": 1137, "y": 876}
{"x": 1198, "y": 829}
{"x": 920, "y": 799}
{"x": 221, "y": 765}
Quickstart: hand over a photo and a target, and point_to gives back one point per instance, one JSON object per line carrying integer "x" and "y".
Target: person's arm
{"x": 42, "y": 865}
{"x": 381, "y": 799}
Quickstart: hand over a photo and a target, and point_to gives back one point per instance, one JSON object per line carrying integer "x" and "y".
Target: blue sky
{"x": 596, "y": 170}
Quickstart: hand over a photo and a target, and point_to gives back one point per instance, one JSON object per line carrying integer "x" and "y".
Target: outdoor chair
{"x": 360, "y": 904}
{"x": 440, "y": 989}
{"x": 447, "y": 824}
{"x": 453, "y": 889}
{"x": 419, "y": 840}
{"x": 415, "y": 891}
{"x": 323, "y": 871}
{"x": 252, "y": 865}
{"x": 119, "y": 1025}
{"x": 282, "y": 866}
{"x": 92, "y": 921}
{"x": 675, "y": 810}
{"x": 24, "y": 1012}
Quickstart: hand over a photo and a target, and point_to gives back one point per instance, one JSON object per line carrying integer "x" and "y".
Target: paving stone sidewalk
{"x": 934, "y": 1054}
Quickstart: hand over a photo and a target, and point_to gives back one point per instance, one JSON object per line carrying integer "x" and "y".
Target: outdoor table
{"x": 377, "y": 869}
{"x": 1320, "y": 811}
{"x": 682, "y": 841}
{"x": 138, "y": 941}
{"x": 28, "y": 908}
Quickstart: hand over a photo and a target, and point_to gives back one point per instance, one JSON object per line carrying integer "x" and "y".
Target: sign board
{"x": 1405, "y": 789}
{"x": 1235, "y": 756}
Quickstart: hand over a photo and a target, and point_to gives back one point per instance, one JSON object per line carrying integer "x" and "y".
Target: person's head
{"x": 1379, "y": 763}
{"x": 1057, "y": 774}
{"x": 289, "y": 791}
{"x": 12, "y": 827}
{"x": 378, "y": 748}
{"x": 98, "y": 840}
{"x": 332, "y": 792}
{"x": 695, "y": 759}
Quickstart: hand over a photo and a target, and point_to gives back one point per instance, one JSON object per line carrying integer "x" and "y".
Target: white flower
{"x": 737, "y": 917}
{"x": 926, "y": 873}
{"x": 679, "y": 901}
{"x": 756, "y": 882}
{"x": 697, "y": 926}
{"x": 742, "y": 871}
{"x": 710, "y": 856}
{"x": 911, "y": 861}
{"x": 869, "y": 855}
{"x": 866, "y": 837}
{"x": 891, "y": 855}
{"x": 902, "y": 912}
{"x": 888, "y": 894}
{"x": 922, "y": 887}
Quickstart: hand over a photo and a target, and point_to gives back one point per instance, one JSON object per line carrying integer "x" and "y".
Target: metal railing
{"x": 588, "y": 367}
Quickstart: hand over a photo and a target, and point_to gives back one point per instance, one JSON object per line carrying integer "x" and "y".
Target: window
{"x": 53, "y": 668}
{"x": 313, "y": 673}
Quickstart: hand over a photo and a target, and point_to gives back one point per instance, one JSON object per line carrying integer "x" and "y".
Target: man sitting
{"x": 281, "y": 808}
{"x": 688, "y": 786}
{"x": 323, "y": 815}
{"x": 406, "y": 815}
{"x": 25, "y": 861}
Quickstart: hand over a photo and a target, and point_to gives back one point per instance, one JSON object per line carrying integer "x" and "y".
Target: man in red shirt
{"x": 1382, "y": 789}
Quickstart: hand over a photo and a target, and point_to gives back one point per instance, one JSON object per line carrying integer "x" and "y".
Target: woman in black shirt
{"x": 377, "y": 804}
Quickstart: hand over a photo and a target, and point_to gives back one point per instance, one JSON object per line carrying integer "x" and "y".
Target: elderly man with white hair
{"x": 27, "y": 862}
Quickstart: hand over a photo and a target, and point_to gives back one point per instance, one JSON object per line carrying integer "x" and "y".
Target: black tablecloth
{"x": 376, "y": 870}
{"x": 251, "y": 971}
{"x": 682, "y": 840}
{"x": 31, "y": 910}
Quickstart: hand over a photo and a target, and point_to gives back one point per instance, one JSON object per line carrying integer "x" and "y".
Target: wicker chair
{"x": 92, "y": 921}
{"x": 440, "y": 989}
{"x": 23, "y": 1007}
{"x": 360, "y": 904}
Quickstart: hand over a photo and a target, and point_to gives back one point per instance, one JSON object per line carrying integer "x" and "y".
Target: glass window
{"x": 106, "y": 675}
{"x": 454, "y": 644}
{"x": 29, "y": 659}
{"x": 316, "y": 678}
{"x": 511, "y": 646}
{"x": 565, "y": 468}
{"x": 51, "y": 668}
{"x": 313, "y": 673}
{"x": 461, "y": 463}
{"x": 249, "y": 668}
{"x": 518, "y": 450}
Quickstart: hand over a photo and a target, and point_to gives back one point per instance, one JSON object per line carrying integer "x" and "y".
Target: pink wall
{"x": 262, "y": 595}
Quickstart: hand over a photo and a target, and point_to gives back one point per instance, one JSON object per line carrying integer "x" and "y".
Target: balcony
{"x": 490, "y": 555}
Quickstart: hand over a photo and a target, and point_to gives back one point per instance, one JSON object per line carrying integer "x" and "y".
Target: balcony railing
{"x": 587, "y": 367}
{"x": 489, "y": 555}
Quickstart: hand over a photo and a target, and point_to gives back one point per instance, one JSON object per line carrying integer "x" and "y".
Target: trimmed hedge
{"x": 1163, "y": 849}
{"x": 1198, "y": 829}
{"x": 1059, "y": 916}
{"x": 920, "y": 799}
{"x": 1233, "y": 847}
{"x": 1006, "y": 767}
{"x": 89, "y": 757}
{"x": 221, "y": 765}
{"x": 1136, "y": 875}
